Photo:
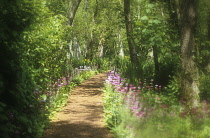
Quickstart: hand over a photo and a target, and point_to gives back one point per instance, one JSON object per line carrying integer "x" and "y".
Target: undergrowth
{"x": 141, "y": 112}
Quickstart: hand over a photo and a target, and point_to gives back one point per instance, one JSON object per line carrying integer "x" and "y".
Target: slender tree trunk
{"x": 129, "y": 31}
{"x": 73, "y": 6}
{"x": 189, "y": 74}
{"x": 101, "y": 46}
{"x": 121, "y": 52}
{"x": 90, "y": 48}
{"x": 77, "y": 50}
{"x": 70, "y": 49}
{"x": 86, "y": 28}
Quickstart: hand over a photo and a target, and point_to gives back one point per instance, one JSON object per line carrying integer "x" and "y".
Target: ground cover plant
{"x": 138, "y": 111}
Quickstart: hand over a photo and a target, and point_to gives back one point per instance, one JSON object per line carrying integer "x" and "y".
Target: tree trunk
{"x": 90, "y": 48}
{"x": 77, "y": 50}
{"x": 101, "y": 46}
{"x": 129, "y": 31}
{"x": 189, "y": 74}
{"x": 73, "y": 6}
{"x": 85, "y": 28}
{"x": 70, "y": 49}
{"x": 121, "y": 53}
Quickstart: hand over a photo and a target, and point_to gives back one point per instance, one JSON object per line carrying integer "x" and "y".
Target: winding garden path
{"x": 83, "y": 115}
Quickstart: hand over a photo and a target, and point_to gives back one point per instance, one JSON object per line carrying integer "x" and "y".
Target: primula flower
{"x": 183, "y": 115}
{"x": 132, "y": 88}
{"x": 182, "y": 101}
{"x": 64, "y": 78}
{"x": 172, "y": 114}
{"x": 141, "y": 114}
{"x": 164, "y": 106}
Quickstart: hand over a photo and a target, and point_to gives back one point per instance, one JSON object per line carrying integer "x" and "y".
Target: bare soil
{"x": 83, "y": 115}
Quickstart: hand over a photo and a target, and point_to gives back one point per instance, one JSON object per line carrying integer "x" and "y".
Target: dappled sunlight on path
{"x": 83, "y": 115}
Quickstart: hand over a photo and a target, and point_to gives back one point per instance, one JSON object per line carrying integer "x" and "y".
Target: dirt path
{"x": 83, "y": 116}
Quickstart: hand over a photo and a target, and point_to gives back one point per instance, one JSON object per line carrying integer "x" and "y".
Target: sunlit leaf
{"x": 144, "y": 18}
{"x": 44, "y": 97}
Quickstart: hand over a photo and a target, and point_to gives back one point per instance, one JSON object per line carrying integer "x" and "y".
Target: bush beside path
{"x": 83, "y": 115}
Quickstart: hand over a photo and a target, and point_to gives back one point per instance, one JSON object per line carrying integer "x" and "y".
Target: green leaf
{"x": 150, "y": 5}
{"x": 14, "y": 33}
{"x": 139, "y": 23}
{"x": 144, "y": 30}
{"x": 148, "y": 10}
{"x": 2, "y": 104}
{"x": 144, "y": 18}
{"x": 46, "y": 70}
{"x": 29, "y": 130}
{"x": 44, "y": 96}
{"x": 156, "y": 21}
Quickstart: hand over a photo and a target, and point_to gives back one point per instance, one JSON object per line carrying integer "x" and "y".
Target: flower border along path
{"x": 83, "y": 115}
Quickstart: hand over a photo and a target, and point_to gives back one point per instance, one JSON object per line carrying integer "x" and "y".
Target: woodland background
{"x": 43, "y": 41}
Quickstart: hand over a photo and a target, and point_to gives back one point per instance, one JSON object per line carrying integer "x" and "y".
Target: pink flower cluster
{"x": 53, "y": 88}
{"x": 132, "y": 98}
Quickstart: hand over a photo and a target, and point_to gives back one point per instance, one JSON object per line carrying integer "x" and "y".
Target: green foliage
{"x": 33, "y": 56}
{"x": 159, "y": 126}
{"x": 20, "y": 17}
{"x": 134, "y": 74}
{"x": 204, "y": 87}
{"x": 20, "y": 108}
{"x": 77, "y": 63}
{"x": 155, "y": 31}
{"x": 112, "y": 104}
{"x": 58, "y": 7}
{"x": 148, "y": 114}
{"x": 45, "y": 45}
{"x": 102, "y": 64}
